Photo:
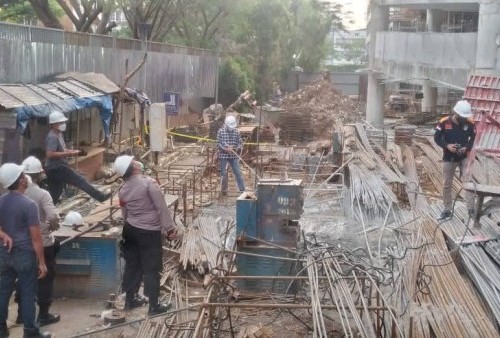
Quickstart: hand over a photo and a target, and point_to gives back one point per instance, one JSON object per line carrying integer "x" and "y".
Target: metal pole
{"x": 280, "y": 277}
{"x": 217, "y": 78}
{"x": 285, "y": 306}
{"x": 77, "y": 136}
{"x": 258, "y": 148}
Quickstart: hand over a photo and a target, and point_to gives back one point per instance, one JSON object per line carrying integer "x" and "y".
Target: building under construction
{"x": 337, "y": 234}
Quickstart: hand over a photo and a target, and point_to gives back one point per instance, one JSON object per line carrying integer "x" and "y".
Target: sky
{"x": 358, "y": 7}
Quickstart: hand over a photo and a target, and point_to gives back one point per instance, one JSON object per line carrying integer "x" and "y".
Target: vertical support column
{"x": 378, "y": 19}
{"x": 434, "y": 20}
{"x": 488, "y": 35}
{"x": 429, "y": 101}
{"x": 375, "y": 101}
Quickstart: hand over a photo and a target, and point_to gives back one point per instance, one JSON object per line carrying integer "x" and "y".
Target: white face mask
{"x": 30, "y": 180}
{"x": 62, "y": 127}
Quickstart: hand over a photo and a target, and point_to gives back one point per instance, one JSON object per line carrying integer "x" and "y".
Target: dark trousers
{"x": 21, "y": 265}
{"x": 45, "y": 285}
{"x": 58, "y": 177}
{"x": 142, "y": 252}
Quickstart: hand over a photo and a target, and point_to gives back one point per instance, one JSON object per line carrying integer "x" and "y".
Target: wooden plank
{"x": 482, "y": 189}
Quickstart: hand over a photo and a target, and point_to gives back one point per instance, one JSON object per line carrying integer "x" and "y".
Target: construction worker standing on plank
{"x": 456, "y": 134}
{"x": 229, "y": 143}
{"x": 146, "y": 217}
{"x": 49, "y": 221}
{"x": 19, "y": 219}
{"x": 57, "y": 168}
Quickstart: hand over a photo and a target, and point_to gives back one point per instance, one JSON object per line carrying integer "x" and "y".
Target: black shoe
{"x": 140, "y": 298}
{"x": 158, "y": 309}
{"x": 134, "y": 303}
{"x": 471, "y": 213}
{"x": 38, "y": 335}
{"x": 104, "y": 197}
{"x": 445, "y": 214}
{"x": 48, "y": 319}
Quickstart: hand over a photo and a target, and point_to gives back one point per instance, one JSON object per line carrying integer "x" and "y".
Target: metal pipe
{"x": 72, "y": 238}
{"x": 281, "y": 277}
{"x": 88, "y": 333}
{"x": 258, "y": 147}
{"x": 262, "y": 256}
{"x": 285, "y": 306}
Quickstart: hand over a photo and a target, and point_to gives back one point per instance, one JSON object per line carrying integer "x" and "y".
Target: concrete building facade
{"x": 460, "y": 37}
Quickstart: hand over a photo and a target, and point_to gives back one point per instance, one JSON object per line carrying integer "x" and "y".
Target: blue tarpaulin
{"x": 103, "y": 102}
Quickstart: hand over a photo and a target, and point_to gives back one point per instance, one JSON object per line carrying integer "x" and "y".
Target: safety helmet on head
{"x": 9, "y": 173}
{"x": 231, "y": 121}
{"x": 32, "y": 165}
{"x": 57, "y": 117}
{"x": 122, "y": 163}
{"x": 463, "y": 108}
{"x": 73, "y": 218}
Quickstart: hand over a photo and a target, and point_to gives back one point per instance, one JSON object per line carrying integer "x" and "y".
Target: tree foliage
{"x": 159, "y": 15}
{"x": 271, "y": 36}
{"x": 235, "y": 77}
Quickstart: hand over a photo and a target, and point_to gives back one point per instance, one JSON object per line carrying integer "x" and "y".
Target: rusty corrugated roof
{"x": 18, "y": 95}
{"x": 95, "y": 80}
{"x": 483, "y": 93}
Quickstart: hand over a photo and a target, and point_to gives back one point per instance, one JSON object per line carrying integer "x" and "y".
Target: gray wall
{"x": 347, "y": 82}
{"x": 34, "y": 55}
{"x": 446, "y": 57}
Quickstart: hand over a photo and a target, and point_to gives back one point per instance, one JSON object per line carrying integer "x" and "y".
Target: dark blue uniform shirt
{"x": 448, "y": 132}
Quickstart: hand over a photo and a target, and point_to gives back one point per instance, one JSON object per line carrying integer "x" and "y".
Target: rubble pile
{"x": 326, "y": 105}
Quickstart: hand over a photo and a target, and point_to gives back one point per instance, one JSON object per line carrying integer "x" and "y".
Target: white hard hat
{"x": 73, "y": 218}
{"x": 122, "y": 163}
{"x": 463, "y": 108}
{"x": 57, "y": 117}
{"x": 32, "y": 165}
{"x": 9, "y": 173}
{"x": 230, "y": 121}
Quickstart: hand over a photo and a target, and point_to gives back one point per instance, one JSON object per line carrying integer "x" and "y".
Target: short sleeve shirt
{"x": 55, "y": 142}
{"x": 17, "y": 214}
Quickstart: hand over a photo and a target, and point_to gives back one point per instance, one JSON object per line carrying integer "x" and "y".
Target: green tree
{"x": 21, "y": 11}
{"x": 91, "y": 16}
{"x": 235, "y": 76}
{"x": 268, "y": 47}
{"x": 312, "y": 25}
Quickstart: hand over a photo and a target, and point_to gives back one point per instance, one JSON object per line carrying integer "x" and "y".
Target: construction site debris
{"x": 404, "y": 133}
{"x": 312, "y": 112}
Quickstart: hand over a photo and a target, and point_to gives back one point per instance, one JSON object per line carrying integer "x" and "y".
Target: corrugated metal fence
{"x": 34, "y": 55}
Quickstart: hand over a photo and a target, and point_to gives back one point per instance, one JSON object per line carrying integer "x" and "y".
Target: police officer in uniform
{"x": 146, "y": 217}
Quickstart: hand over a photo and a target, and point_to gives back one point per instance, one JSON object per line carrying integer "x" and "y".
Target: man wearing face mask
{"x": 456, "y": 134}
{"x": 57, "y": 169}
{"x": 25, "y": 260}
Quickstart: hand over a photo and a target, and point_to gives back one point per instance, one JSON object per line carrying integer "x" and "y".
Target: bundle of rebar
{"x": 369, "y": 193}
{"x": 200, "y": 244}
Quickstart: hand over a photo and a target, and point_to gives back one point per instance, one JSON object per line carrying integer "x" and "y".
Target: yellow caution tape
{"x": 207, "y": 139}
